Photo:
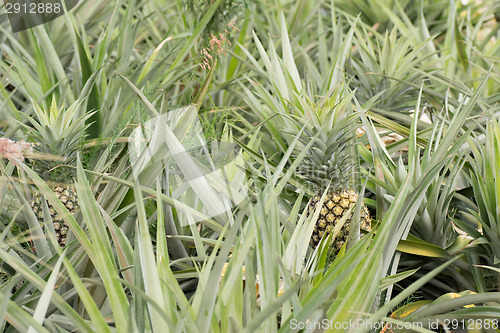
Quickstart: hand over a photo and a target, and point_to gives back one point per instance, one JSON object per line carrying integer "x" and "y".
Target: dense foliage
{"x": 159, "y": 160}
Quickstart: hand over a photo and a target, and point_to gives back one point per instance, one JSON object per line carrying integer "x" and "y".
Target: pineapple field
{"x": 251, "y": 166}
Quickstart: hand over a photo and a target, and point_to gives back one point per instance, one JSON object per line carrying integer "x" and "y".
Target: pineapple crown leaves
{"x": 329, "y": 162}
{"x": 57, "y": 133}
{"x": 326, "y": 112}
{"x": 57, "y": 130}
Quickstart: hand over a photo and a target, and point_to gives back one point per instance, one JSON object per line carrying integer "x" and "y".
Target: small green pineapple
{"x": 68, "y": 197}
{"x": 57, "y": 132}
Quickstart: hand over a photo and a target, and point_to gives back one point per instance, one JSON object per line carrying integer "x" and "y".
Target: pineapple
{"x": 328, "y": 166}
{"x": 68, "y": 197}
{"x": 57, "y": 133}
{"x": 335, "y": 206}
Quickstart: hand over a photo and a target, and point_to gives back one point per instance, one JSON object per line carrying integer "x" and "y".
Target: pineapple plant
{"x": 57, "y": 134}
{"x": 328, "y": 167}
